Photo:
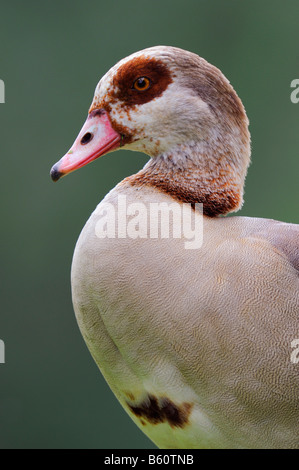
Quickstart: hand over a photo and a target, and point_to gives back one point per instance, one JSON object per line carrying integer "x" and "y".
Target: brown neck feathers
{"x": 219, "y": 194}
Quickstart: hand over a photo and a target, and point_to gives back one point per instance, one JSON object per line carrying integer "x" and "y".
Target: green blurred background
{"x": 52, "y": 55}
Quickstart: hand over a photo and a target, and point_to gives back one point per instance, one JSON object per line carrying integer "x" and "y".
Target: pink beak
{"x": 96, "y": 138}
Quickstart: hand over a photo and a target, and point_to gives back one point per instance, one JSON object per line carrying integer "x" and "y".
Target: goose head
{"x": 180, "y": 110}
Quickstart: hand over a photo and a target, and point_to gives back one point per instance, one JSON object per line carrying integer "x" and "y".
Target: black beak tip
{"x": 55, "y": 173}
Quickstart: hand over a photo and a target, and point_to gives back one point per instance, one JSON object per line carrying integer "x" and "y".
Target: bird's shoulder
{"x": 266, "y": 235}
{"x": 283, "y": 237}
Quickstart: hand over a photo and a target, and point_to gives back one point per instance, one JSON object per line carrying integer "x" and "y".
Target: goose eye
{"x": 142, "y": 84}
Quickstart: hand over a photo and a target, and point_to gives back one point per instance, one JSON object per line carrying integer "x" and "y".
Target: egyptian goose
{"x": 196, "y": 344}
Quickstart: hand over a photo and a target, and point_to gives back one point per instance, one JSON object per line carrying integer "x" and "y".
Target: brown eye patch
{"x": 129, "y": 73}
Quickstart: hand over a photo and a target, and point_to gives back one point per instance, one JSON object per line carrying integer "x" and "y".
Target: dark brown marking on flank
{"x": 162, "y": 410}
{"x": 142, "y": 66}
{"x": 130, "y": 396}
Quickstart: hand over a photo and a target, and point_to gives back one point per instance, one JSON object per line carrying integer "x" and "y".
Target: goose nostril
{"x": 86, "y": 138}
